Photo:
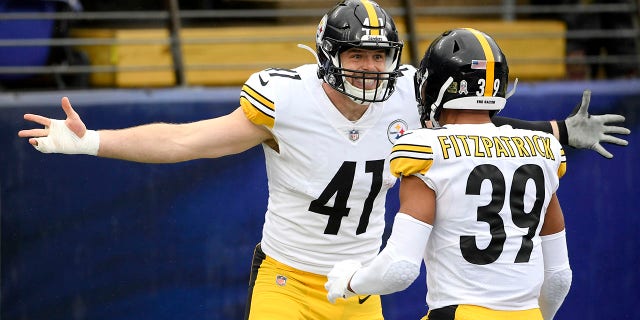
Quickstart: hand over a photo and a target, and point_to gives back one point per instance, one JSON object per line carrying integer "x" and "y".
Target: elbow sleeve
{"x": 557, "y": 274}
{"x": 398, "y": 265}
{"x": 554, "y": 289}
{"x": 387, "y": 274}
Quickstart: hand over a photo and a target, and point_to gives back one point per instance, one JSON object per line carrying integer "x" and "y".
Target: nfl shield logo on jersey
{"x": 354, "y": 135}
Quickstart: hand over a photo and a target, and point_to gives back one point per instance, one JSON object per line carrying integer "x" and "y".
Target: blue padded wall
{"x": 90, "y": 238}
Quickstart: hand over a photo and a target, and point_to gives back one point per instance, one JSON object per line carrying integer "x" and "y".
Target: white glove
{"x": 62, "y": 140}
{"x": 587, "y": 131}
{"x": 338, "y": 280}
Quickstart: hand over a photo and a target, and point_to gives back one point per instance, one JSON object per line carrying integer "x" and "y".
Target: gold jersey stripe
{"x": 258, "y": 97}
{"x": 404, "y": 166}
{"x": 412, "y": 148}
{"x": 490, "y": 61}
{"x": 373, "y": 17}
{"x": 256, "y": 115}
{"x": 562, "y": 169}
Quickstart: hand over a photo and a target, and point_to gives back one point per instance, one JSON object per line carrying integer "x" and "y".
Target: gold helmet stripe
{"x": 373, "y": 17}
{"x": 488, "y": 92}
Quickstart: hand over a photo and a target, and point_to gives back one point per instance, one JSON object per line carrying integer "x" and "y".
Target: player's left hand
{"x": 587, "y": 131}
{"x": 338, "y": 280}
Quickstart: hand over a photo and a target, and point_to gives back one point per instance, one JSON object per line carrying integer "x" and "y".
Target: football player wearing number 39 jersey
{"x": 477, "y": 201}
{"x": 326, "y": 130}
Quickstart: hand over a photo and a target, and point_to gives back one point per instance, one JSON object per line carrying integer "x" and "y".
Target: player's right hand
{"x": 337, "y": 284}
{"x": 68, "y": 136}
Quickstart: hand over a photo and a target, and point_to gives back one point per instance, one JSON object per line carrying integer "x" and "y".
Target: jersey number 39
{"x": 490, "y": 212}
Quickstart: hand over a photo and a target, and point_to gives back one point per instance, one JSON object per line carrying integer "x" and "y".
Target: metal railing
{"x": 172, "y": 18}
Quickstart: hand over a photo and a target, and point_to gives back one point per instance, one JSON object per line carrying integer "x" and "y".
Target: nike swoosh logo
{"x": 262, "y": 82}
{"x": 362, "y": 300}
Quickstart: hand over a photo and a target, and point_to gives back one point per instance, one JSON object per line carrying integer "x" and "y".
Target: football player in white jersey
{"x": 326, "y": 130}
{"x": 477, "y": 201}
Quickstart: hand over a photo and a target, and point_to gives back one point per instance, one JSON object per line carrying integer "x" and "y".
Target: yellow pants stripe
{"x": 471, "y": 312}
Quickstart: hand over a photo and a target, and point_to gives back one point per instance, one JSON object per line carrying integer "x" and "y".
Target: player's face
{"x": 364, "y": 60}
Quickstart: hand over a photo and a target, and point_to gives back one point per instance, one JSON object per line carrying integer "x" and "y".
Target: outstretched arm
{"x": 151, "y": 143}
{"x": 580, "y": 129}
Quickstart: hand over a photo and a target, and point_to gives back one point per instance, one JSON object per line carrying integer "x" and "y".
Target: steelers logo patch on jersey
{"x": 396, "y": 129}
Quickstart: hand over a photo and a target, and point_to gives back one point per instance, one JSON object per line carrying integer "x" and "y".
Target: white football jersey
{"x": 329, "y": 177}
{"x": 493, "y": 186}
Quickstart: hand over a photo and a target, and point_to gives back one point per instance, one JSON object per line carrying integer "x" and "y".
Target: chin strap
{"x": 354, "y": 92}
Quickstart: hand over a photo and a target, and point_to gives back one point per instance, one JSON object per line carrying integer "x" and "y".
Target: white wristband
{"x": 62, "y": 140}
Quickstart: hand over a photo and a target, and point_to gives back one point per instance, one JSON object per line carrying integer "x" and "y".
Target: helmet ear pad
{"x": 462, "y": 69}
{"x": 330, "y": 69}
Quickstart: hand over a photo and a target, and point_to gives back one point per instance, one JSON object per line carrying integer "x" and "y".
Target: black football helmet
{"x": 358, "y": 24}
{"x": 461, "y": 69}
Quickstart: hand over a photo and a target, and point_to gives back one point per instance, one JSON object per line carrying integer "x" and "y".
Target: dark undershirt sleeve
{"x": 533, "y": 125}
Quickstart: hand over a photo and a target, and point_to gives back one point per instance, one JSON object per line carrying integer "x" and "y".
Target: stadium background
{"x": 89, "y": 238}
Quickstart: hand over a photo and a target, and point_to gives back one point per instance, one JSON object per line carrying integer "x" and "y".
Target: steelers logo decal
{"x": 321, "y": 27}
{"x": 396, "y": 129}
